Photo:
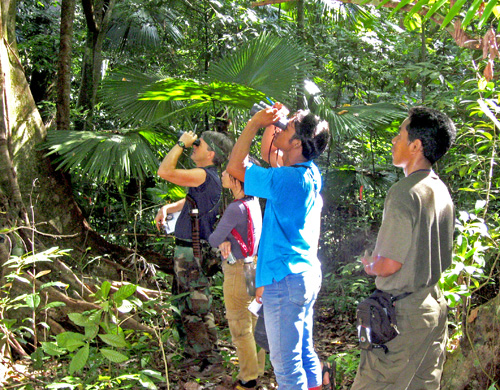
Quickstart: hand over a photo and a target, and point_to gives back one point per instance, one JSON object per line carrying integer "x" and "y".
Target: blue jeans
{"x": 288, "y": 314}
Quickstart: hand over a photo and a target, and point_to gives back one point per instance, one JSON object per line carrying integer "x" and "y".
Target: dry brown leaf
{"x": 473, "y": 315}
{"x": 488, "y": 70}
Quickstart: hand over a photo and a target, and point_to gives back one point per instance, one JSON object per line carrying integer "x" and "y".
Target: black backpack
{"x": 376, "y": 320}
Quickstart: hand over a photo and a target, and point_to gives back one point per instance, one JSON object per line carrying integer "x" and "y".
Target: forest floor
{"x": 334, "y": 334}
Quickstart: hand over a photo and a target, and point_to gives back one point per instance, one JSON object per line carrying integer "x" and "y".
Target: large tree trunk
{"x": 36, "y": 203}
{"x": 476, "y": 363}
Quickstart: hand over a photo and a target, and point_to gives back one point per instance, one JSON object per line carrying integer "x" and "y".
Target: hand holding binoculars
{"x": 281, "y": 123}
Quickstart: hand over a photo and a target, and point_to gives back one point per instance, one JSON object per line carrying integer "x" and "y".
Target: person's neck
{"x": 238, "y": 194}
{"x": 291, "y": 158}
{"x": 421, "y": 164}
{"x": 204, "y": 164}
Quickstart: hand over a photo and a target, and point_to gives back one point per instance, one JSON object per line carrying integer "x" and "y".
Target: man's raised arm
{"x": 263, "y": 118}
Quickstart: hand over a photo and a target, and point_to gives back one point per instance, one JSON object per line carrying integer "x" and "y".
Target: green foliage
{"x": 22, "y": 269}
{"x": 105, "y": 318}
{"x": 111, "y": 155}
{"x": 467, "y": 270}
{"x": 347, "y": 365}
{"x": 345, "y": 288}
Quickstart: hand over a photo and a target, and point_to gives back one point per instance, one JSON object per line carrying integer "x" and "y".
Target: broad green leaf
{"x": 115, "y": 340}
{"x": 114, "y": 356}
{"x": 154, "y": 374}
{"x": 33, "y": 300}
{"x": 126, "y": 306}
{"x": 80, "y": 319}
{"x": 105, "y": 288}
{"x": 70, "y": 340}
{"x": 146, "y": 382}
{"x": 54, "y": 284}
{"x": 52, "y": 349}
{"x": 215, "y": 92}
{"x": 53, "y": 304}
{"x": 417, "y": 7}
{"x": 401, "y": 4}
{"x": 124, "y": 292}
{"x": 91, "y": 331}
{"x": 79, "y": 360}
{"x": 487, "y": 12}
{"x": 435, "y": 7}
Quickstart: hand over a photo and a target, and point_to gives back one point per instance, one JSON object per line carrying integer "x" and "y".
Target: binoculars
{"x": 281, "y": 123}
{"x": 195, "y": 143}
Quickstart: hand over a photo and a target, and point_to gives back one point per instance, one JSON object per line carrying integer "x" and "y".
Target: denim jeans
{"x": 288, "y": 314}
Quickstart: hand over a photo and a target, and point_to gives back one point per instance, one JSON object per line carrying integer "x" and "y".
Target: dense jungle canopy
{"x": 94, "y": 94}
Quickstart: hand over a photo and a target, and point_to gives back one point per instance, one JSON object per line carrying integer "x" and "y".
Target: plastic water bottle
{"x": 249, "y": 272}
{"x": 231, "y": 259}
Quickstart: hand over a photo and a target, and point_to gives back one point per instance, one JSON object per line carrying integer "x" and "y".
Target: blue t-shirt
{"x": 290, "y": 230}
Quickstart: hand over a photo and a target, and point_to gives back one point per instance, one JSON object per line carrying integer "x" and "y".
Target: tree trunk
{"x": 97, "y": 15}
{"x": 36, "y": 202}
{"x": 64, "y": 67}
{"x": 476, "y": 363}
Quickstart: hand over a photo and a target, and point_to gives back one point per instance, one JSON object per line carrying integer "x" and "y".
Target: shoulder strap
{"x": 246, "y": 250}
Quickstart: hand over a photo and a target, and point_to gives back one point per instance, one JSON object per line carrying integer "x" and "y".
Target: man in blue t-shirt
{"x": 196, "y": 323}
{"x": 288, "y": 270}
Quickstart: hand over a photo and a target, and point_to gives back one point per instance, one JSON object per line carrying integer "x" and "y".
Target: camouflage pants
{"x": 194, "y": 301}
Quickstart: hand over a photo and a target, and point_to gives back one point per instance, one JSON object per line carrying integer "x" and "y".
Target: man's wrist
{"x": 181, "y": 144}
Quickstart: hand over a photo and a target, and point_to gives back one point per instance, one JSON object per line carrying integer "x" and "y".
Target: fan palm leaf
{"x": 120, "y": 92}
{"x": 107, "y": 155}
{"x": 137, "y": 24}
{"x": 269, "y": 64}
{"x": 354, "y": 120}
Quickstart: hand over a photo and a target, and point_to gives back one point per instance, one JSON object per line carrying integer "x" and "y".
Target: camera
{"x": 281, "y": 123}
{"x": 195, "y": 143}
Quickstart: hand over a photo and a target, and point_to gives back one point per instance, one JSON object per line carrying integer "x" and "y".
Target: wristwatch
{"x": 181, "y": 144}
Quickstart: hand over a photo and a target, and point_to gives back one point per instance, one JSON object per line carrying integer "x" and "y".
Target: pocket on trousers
{"x": 299, "y": 292}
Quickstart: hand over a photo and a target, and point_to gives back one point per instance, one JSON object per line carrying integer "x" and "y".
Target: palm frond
{"x": 137, "y": 25}
{"x": 107, "y": 155}
{"x": 173, "y": 89}
{"x": 354, "y": 120}
{"x": 269, "y": 64}
{"x": 120, "y": 92}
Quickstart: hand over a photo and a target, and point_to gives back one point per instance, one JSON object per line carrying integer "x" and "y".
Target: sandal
{"x": 328, "y": 374}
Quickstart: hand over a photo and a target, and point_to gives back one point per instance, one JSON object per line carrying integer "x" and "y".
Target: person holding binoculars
{"x": 288, "y": 273}
{"x": 196, "y": 323}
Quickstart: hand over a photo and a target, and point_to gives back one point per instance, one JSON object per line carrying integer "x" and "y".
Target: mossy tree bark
{"x": 37, "y": 209}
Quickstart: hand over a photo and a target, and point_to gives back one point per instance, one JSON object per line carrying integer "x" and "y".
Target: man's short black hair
{"x": 313, "y": 133}
{"x": 433, "y": 128}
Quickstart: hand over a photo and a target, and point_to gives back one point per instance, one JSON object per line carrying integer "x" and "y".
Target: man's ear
{"x": 416, "y": 146}
{"x": 297, "y": 143}
{"x": 211, "y": 155}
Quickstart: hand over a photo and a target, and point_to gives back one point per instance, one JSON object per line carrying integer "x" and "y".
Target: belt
{"x": 185, "y": 243}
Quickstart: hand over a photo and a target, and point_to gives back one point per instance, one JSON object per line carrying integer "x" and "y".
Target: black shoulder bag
{"x": 376, "y": 320}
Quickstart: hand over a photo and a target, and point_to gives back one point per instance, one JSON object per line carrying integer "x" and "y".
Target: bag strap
{"x": 400, "y": 296}
{"x": 195, "y": 226}
{"x": 246, "y": 250}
